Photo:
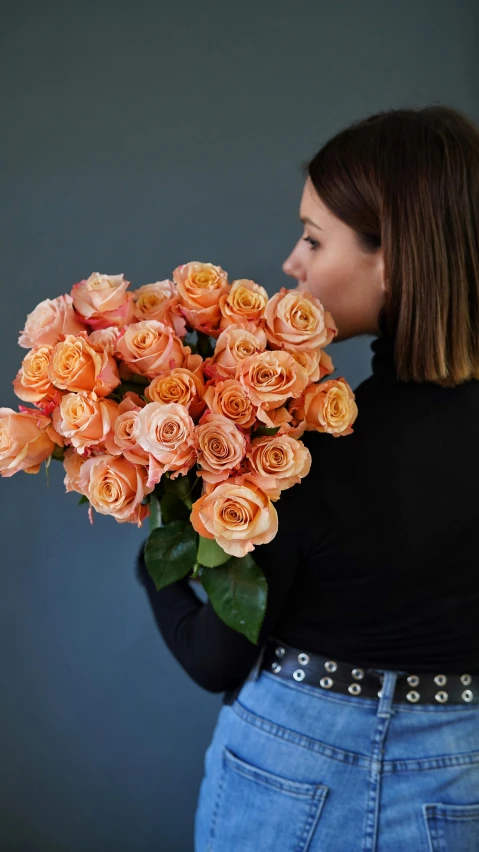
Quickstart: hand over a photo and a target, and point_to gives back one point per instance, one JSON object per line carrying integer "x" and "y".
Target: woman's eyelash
{"x": 314, "y": 243}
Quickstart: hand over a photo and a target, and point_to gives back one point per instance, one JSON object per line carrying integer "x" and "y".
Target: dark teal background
{"x": 135, "y": 137}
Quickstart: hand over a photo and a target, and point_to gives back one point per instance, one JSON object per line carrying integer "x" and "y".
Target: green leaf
{"x": 238, "y": 593}
{"x": 83, "y": 499}
{"x": 154, "y": 518}
{"x": 170, "y": 552}
{"x": 172, "y": 508}
{"x": 265, "y": 430}
{"x": 57, "y": 453}
{"x": 210, "y": 554}
{"x": 181, "y": 486}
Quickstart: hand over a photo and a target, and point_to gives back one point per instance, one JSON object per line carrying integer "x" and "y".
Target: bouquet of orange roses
{"x": 183, "y": 401}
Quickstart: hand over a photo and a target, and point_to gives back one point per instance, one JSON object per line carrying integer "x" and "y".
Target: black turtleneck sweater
{"x": 376, "y": 560}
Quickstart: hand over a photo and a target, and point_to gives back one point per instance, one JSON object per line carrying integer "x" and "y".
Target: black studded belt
{"x": 325, "y": 673}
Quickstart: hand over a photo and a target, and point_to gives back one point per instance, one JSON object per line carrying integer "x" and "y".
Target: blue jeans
{"x": 292, "y": 768}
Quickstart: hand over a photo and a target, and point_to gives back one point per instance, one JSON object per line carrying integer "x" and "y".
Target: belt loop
{"x": 388, "y": 686}
{"x": 255, "y": 669}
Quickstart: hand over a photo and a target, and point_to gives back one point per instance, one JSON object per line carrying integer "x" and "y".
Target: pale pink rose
{"x": 233, "y": 345}
{"x": 32, "y": 382}
{"x": 245, "y": 302}
{"x": 270, "y": 379}
{"x": 103, "y": 300}
{"x": 49, "y": 321}
{"x": 237, "y": 514}
{"x": 179, "y": 385}
{"x": 327, "y": 407}
{"x": 115, "y": 486}
{"x": 230, "y": 399}
{"x": 105, "y": 338}
{"x": 158, "y": 301}
{"x": 24, "y": 441}
{"x": 72, "y": 462}
{"x": 199, "y": 288}
{"x": 167, "y": 433}
{"x": 76, "y": 364}
{"x": 296, "y": 319}
{"x": 86, "y": 421}
{"x": 281, "y": 458}
{"x": 149, "y": 347}
{"x": 220, "y": 447}
{"x": 126, "y": 428}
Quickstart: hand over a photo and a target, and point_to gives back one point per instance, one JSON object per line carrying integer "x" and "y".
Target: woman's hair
{"x": 408, "y": 180}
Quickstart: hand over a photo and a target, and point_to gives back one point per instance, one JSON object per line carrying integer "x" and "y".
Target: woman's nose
{"x": 293, "y": 267}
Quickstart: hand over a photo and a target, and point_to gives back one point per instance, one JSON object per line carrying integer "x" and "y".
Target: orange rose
{"x": 149, "y": 347}
{"x": 166, "y": 432}
{"x": 281, "y": 458}
{"x": 76, "y": 364}
{"x": 32, "y": 382}
{"x": 270, "y": 379}
{"x": 316, "y": 361}
{"x": 49, "y": 321}
{"x": 126, "y": 426}
{"x": 237, "y": 514}
{"x": 297, "y": 320}
{"x": 72, "y": 462}
{"x": 179, "y": 385}
{"x": 158, "y": 301}
{"x": 230, "y": 399}
{"x": 86, "y": 421}
{"x": 24, "y": 441}
{"x": 220, "y": 447}
{"x": 199, "y": 288}
{"x": 233, "y": 345}
{"x": 103, "y": 300}
{"x": 115, "y": 486}
{"x": 245, "y": 302}
{"x": 328, "y": 407}
{"x": 105, "y": 338}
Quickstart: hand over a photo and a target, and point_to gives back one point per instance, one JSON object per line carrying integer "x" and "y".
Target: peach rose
{"x": 149, "y": 347}
{"x": 86, "y": 421}
{"x": 105, "y": 338}
{"x": 296, "y": 319}
{"x": 237, "y": 514}
{"x": 230, "y": 399}
{"x": 158, "y": 301}
{"x": 76, "y": 364}
{"x": 233, "y": 345}
{"x": 126, "y": 427}
{"x": 316, "y": 361}
{"x": 72, "y": 462}
{"x": 179, "y": 385}
{"x": 32, "y": 382}
{"x": 48, "y": 321}
{"x": 103, "y": 300}
{"x": 115, "y": 486}
{"x": 24, "y": 441}
{"x": 245, "y": 302}
{"x": 281, "y": 458}
{"x": 328, "y": 407}
{"x": 220, "y": 447}
{"x": 270, "y": 379}
{"x": 199, "y": 288}
{"x": 166, "y": 432}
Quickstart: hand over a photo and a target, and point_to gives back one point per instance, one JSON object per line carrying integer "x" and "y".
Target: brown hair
{"x": 408, "y": 180}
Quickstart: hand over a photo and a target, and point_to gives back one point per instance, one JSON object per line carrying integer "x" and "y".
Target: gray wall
{"x": 135, "y": 137}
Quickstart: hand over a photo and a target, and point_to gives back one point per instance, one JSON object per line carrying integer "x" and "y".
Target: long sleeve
{"x": 214, "y": 655}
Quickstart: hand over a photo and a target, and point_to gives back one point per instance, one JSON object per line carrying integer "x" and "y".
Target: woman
{"x": 354, "y": 723}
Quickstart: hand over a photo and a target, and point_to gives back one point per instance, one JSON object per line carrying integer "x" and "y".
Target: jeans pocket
{"x": 452, "y": 828}
{"x": 258, "y": 809}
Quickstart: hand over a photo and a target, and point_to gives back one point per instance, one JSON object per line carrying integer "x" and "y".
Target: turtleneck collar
{"x": 383, "y": 363}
